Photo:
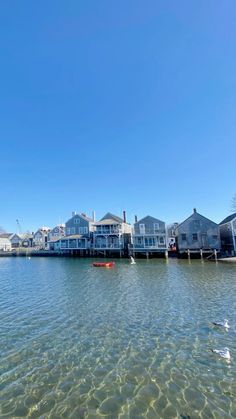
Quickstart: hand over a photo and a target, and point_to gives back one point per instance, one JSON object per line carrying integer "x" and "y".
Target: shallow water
{"x": 128, "y": 342}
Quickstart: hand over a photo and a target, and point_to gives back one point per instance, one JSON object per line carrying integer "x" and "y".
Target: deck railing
{"x": 108, "y": 246}
{"x": 105, "y": 231}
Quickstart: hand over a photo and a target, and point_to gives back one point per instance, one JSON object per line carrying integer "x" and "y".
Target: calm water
{"x": 129, "y": 342}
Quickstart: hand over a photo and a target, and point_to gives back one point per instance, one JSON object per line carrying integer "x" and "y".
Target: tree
{"x": 2, "y": 230}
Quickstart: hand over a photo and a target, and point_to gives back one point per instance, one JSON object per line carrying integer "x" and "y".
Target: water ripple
{"x": 130, "y": 342}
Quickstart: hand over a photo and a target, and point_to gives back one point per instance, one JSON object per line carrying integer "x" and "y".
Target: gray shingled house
{"x": 78, "y": 234}
{"x": 197, "y": 234}
{"x": 228, "y": 234}
{"x": 149, "y": 236}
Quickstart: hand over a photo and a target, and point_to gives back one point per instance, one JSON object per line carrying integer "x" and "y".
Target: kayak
{"x": 104, "y": 264}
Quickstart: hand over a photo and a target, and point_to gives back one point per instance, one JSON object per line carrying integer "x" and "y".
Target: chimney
{"x": 73, "y": 213}
{"x": 124, "y": 216}
{"x": 93, "y": 216}
{"x": 135, "y": 219}
{"x": 194, "y": 210}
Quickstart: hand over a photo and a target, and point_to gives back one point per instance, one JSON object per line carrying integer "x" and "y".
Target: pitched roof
{"x": 5, "y": 235}
{"x": 106, "y": 221}
{"x": 228, "y": 219}
{"x": 84, "y": 216}
{"x": 110, "y": 216}
{"x": 22, "y": 236}
{"x": 148, "y": 217}
{"x": 195, "y": 212}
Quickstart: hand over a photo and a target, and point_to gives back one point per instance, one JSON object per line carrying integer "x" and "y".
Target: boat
{"x": 104, "y": 264}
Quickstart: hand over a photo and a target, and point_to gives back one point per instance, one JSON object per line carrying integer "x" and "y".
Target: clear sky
{"x": 112, "y": 105}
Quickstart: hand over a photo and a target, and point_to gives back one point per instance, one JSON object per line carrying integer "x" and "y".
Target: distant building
{"x": 5, "y": 242}
{"x": 228, "y": 234}
{"x": 21, "y": 240}
{"x": 54, "y": 236}
{"x": 197, "y": 233}
{"x": 57, "y": 232}
{"x": 27, "y": 240}
{"x": 149, "y": 236}
{"x": 112, "y": 235}
{"x": 78, "y": 234}
{"x": 16, "y": 240}
{"x": 40, "y": 238}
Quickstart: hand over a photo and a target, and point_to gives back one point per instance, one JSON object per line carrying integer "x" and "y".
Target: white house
{"x": 5, "y": 242}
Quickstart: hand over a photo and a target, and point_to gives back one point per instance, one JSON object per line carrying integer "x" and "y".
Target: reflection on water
{"x": 128, "y": 342}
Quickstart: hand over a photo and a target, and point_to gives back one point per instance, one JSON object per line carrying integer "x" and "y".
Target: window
{"x": 81, "y": 230}
{"x": 215, "y": 237}
{"x": 68, "y": 231}
{"x": 142, "y": 228}
{"x": 156, "y": 226}
{"x": 195, "y": 237}
{"x": 184, "y": 237}
{"x": 76, "y": 220}
{"x": 85, "y": 230}
{"x": 161, "y": 240}
{"x": 72, "y": 230}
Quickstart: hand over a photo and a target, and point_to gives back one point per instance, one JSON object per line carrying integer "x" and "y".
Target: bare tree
{"x": 233, "y": 203}
{"x": 2, "y": 230}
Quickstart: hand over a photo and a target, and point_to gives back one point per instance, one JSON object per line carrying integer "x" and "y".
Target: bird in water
{"x": 132, "y": 260}
{"x": 224, "y": 353}
{"x": 224, "y": 324}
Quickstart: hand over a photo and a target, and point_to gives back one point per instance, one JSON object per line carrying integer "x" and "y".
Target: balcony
{"x": 107, "y": 231}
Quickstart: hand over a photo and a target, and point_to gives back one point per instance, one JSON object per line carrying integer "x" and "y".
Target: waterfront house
{"x": 78, "y": 234}
{"x": 228, "y": 235}
{"x": 21, "y": 240}
{"x": 54, "y": 236}
{"x": 16, "y": 240}
{"x": 5, "y": 242}
{"x": 197, "y": 234}
{"x": 57, "y": 232}
{"x": 112, "y": 235}
{"x": 40, "y": 238}
{"x": 149, "y": 236}
{"x": 27, "y": 240}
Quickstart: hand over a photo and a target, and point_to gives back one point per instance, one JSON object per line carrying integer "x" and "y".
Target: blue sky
{"x": 110, "y": 105}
